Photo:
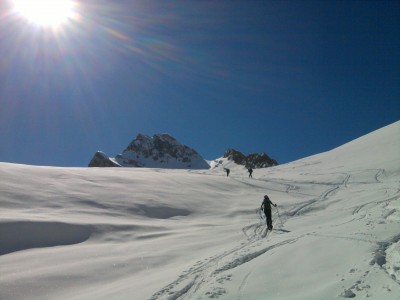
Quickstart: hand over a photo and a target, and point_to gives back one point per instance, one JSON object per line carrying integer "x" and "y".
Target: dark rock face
{"x": 159, "y": 151}
{"x": 237, "y": 156}
{"x": 260, "y": 160}
{"x": 255, "y": 160}
{"x": 160, "y": 146}
{"x": 100, "y": 159}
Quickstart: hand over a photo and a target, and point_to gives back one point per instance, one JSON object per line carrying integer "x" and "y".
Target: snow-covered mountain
{"x": 141, "y": 233}
{"x": 159, "y": 151}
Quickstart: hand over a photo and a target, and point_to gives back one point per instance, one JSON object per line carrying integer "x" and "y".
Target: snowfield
{"x": 134, "y": 233}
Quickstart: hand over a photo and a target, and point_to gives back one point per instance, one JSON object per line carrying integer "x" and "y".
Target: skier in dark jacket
{"x": 227, "y": 171}
{"x": 250, "y": 172}
{"x": 266, "y": 206}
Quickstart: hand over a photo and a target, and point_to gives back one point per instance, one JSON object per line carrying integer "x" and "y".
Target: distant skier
{"x": 266, "y": 206}
{"x": 227, "y": 171}
{"x": 250, "y": 172}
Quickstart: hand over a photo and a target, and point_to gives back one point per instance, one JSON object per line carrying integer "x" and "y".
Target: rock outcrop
{"x": 254, "y": 160}
{"x": 100, "y": 159}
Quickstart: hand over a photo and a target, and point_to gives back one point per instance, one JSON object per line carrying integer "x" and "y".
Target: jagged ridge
{"x": 254, "y": 160}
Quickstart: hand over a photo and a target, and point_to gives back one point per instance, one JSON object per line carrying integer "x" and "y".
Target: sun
{"x": 46, "y": 13}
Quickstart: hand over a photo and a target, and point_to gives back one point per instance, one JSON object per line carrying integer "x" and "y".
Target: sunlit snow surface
{"x": 131, "y": 233}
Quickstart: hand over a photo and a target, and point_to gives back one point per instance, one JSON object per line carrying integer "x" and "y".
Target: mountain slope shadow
{"x": 17, "y": 236}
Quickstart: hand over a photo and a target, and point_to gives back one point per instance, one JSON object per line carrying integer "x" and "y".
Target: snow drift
{"x": 137, "y": 233}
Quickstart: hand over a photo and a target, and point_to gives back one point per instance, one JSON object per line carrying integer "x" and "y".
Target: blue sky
{"x": 289, "y": 78}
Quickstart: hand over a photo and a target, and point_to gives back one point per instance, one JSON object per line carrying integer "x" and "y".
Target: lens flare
{"x": 46, "y": 13}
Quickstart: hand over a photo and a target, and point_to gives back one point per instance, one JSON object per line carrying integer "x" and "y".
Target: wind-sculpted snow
{"x": 123, "y": 233}
{"x": 159, "y": 211}
{"x": 16, "y": 236}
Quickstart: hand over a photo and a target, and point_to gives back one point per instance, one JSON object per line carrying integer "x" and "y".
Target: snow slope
{"x": 116, "y": 233}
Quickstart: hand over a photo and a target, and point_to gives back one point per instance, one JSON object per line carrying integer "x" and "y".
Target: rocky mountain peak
{"x": 254, "y": 160}
{"x": 100, "y": 159}
{"x": 146, "y": 144}
{"x": 159, "y": 151}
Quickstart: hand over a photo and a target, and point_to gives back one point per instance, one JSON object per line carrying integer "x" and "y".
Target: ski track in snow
{"x": 324, "y": 196}
{"x": 206, "y": 278}
{"x": 242, "y": 286}
{"x": 207, "y": 272}
{"x": 329, "y": 192}
{"x": 204, "y": 274}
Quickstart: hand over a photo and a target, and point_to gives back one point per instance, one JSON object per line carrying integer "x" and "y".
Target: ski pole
{"x": 260, "y": 214}
{"x": 279, "y": 216}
